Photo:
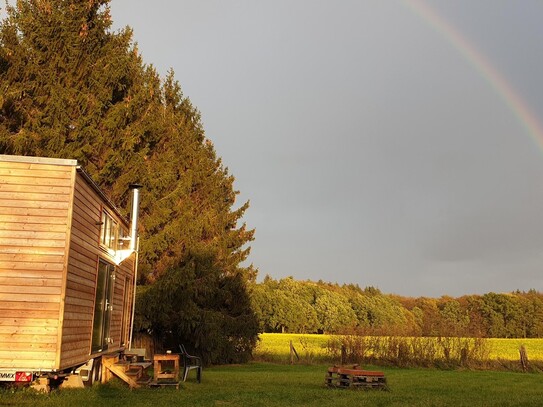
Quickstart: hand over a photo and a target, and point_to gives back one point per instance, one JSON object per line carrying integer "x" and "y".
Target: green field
{"x": 261, "y": 384}
{"x": 302, "y": 384}
{"x": 313, "y": 348}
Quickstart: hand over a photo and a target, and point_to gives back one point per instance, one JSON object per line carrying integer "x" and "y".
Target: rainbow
{"x": 490, "y": 74}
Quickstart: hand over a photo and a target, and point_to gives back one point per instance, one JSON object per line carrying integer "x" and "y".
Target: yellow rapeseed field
{"x": 312, "y": 347}
{"x": 509, "y": 348}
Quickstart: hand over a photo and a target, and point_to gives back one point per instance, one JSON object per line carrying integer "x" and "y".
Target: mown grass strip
{"x": 261, "y": 384}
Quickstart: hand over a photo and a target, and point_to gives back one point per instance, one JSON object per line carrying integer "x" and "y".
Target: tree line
{"x": 289, "y": 305}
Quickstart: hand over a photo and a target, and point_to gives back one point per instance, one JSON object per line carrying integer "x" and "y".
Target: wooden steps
{"x": 134, "y": 374}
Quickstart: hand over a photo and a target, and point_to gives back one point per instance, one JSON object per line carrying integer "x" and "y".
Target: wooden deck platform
{"x": 354, "y": 378}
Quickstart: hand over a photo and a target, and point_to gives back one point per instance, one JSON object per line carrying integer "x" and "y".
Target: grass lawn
{"x": 261, "y": 384}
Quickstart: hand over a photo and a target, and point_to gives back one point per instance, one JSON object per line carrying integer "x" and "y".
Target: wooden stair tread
{"x": 144, "y": 381}
{"x": 134, "y": 372}
{"x": 144, "y": 365}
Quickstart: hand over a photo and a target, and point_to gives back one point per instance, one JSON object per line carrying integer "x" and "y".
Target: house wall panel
{"x": 34, "y": 204}
{"x": 84, "y": 255}
{"x": 50, "y": 215}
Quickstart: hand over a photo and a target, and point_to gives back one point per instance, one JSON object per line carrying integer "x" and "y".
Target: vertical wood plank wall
{"x": 34, "y": 208}
{"x": 81, "y": 276}
{"x": 83, "y": 260}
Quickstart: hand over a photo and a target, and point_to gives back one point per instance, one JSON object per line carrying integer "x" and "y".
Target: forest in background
{"x": 289, "y": 305}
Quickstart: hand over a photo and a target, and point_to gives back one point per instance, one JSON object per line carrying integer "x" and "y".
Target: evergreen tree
{"x": 196, "y": 304}
{"x": 72, "y": 88}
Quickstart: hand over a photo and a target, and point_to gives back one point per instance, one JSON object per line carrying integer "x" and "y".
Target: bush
{"x": 443, "y": 352}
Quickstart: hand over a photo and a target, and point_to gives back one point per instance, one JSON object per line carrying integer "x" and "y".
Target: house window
{"x": 103, "y": 306}
{"x": 109, "y": 233}
{"x": 124, "y": 239}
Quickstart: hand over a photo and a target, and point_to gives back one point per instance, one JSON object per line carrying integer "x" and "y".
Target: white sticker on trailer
{"x": 7, "y": 376}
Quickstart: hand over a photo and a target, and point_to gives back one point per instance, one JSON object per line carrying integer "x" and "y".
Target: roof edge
{"x": 37, "y": 160}
{"x": 88, "y": 179}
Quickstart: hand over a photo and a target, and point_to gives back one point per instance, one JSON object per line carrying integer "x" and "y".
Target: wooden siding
{"x": 34, "y": 209}
{"x": 49, "y": 253}
{"x": 121, "y": 303}
{"x": 84, "y": 255}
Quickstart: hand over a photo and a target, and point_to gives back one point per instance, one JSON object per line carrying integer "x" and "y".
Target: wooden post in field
{"x": 343, "y": 355}
{"x": 523, "y": 358}
{"x": 464, "y": 356}
{"x": 293, "y": 353}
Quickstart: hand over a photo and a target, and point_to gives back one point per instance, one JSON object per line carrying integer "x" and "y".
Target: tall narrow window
{"x": 103, "y": 306}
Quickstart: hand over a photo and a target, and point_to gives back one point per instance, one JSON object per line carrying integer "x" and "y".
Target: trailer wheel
{"x": 95, "y": 375}
{"x": 97, "y": 370}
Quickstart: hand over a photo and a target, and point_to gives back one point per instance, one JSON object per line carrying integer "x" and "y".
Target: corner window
{"x": 109, "y": 232}
{"x": 124, "y": 239}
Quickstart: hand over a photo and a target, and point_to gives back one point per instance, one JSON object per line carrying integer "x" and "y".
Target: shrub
{"x": 444, "y": 352}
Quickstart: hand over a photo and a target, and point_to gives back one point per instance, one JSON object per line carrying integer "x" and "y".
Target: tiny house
{"x": 67, "y": 269}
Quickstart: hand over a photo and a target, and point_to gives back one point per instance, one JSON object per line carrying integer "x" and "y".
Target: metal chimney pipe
{"x": 134, "y": 215}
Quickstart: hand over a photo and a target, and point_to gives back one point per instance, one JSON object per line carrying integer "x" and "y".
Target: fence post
{"x": 343, "y": 354}
{"x": 523, "y": 358}
{"x": 293, "y": 353}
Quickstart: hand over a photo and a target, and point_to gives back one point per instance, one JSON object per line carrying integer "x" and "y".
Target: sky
{"x": 393, "y": 144}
